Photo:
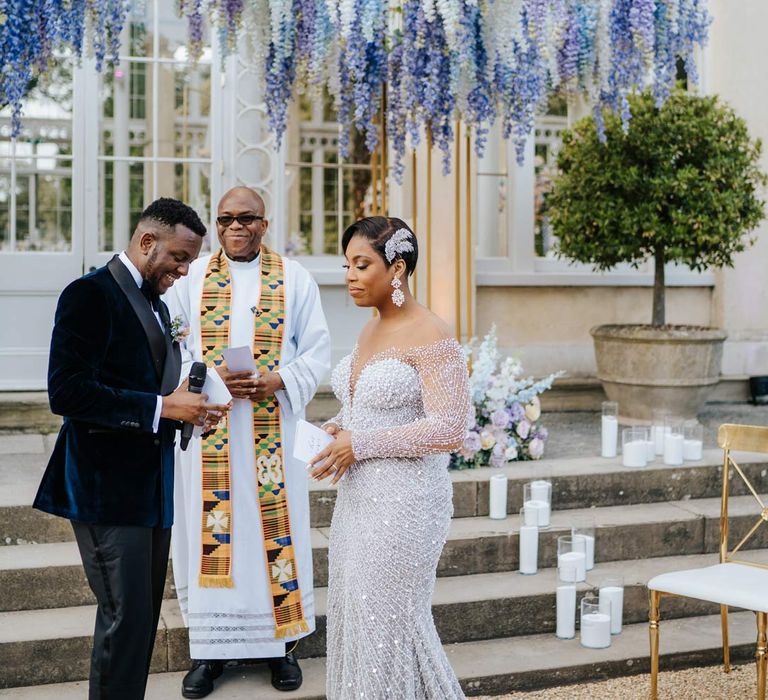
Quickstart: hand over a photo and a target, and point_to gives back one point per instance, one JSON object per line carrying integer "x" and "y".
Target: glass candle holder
{"x": 595, "y": 623}
{"x": 584, "y": 526}
{"x": 693, "y": 441}
{"x": 609, "y": 428}
{"x": 537, "y": 502}
{"x": 572, "y": 556}
{"x": 529, "y": 546}
{"x": 634, "y": 447}
{"x": 650, "y": 446}
{"x": 658, "y": 429}
{"x": 565, "y": 598}
{"x": 673, "y": 441}
{"x": 611, "y": 595}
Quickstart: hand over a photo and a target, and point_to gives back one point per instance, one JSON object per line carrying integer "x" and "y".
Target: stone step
{"x": 577, "y": 483}
{"x": 29, "y": 411}
{"x": 467, "y": 607}
{"x": 31, "y": 575}
{"x": 487, "y": 667}
{"x": 50, "y": 576}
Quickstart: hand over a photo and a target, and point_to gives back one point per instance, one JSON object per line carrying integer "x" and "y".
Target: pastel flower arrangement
{"x": 506, "y": 425}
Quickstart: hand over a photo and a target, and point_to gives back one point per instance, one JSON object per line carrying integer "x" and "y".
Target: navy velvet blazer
{"x": 109, "y": 360}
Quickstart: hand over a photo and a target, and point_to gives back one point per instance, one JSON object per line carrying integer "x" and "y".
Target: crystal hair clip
{"x": 398, "y": 243}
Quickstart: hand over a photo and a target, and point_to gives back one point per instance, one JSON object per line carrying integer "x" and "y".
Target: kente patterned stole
{"x": 216, "y": 558}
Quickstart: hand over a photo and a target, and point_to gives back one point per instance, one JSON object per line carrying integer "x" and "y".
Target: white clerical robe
{"x": 237, "y": 623}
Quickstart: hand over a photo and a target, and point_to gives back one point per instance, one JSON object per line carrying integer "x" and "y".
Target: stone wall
{"x": 548, "y": 327}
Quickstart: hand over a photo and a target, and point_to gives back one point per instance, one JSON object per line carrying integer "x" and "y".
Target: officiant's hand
{"x": 247, "y": 385}
{"x": 335, "y": 459}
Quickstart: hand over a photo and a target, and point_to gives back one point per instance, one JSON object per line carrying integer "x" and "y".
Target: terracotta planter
{"x": 644, "y": 368}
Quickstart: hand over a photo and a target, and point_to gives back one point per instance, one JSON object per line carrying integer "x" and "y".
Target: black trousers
{"x": 126, "y": 568}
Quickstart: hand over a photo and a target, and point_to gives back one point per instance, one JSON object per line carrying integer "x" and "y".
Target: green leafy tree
{"x": 682, "y": 185}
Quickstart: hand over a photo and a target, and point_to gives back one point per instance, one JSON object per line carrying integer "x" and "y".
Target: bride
{"x": 404, "y": 407}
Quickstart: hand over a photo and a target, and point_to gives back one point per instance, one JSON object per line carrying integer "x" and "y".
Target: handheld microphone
{"x": 196, "y": 380}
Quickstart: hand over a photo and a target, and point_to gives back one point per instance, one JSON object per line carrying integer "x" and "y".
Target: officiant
{"x": 242, "y": 557}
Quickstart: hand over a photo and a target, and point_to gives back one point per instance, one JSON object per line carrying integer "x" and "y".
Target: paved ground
{"x": 708, "y": 683}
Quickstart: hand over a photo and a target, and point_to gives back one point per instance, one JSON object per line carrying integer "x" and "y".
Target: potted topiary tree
{"x": 682, "y": 184}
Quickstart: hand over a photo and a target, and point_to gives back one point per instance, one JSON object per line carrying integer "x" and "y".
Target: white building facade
{"x": 96, "y": 148}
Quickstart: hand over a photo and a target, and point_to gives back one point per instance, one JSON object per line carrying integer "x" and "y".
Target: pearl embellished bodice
{"x": 407, "y": 409}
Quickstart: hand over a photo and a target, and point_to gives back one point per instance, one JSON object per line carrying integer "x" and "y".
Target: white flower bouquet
{"x": 506, "y": 422}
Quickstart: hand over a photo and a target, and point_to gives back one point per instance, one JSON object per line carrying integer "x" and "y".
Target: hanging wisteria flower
{"x": 506, "y": 410}
{"x": 441, "y": 61}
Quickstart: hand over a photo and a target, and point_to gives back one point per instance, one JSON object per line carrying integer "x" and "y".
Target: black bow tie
{"x": 150, "y": 295}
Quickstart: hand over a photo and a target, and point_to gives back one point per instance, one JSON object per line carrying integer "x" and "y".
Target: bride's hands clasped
{"x": 335, "y": 459}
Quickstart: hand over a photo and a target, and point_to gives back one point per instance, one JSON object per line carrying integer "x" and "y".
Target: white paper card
{"x": 309, "y": 441}
{"x": 240, "y": 359}
{"x": 216, "y": 390}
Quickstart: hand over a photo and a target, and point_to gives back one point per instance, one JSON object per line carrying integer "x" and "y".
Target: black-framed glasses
{"x": 243, "y": 220}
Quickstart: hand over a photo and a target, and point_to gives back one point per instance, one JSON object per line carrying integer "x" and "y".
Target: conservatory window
{"x": 153, "y": 123}
{"x": 36, "y": 168}
{"x": 325, "y": 192}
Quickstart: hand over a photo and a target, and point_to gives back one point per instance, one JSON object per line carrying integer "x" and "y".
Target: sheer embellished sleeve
{"x": 442, "y": 370}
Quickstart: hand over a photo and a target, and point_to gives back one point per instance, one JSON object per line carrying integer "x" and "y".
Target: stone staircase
{"x": 498, "y": 626}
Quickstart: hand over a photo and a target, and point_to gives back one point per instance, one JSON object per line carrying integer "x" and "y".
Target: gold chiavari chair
{"x": 732, "y": 582}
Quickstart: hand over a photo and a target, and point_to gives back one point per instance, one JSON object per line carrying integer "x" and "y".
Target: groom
{"x": 112, "y": 373}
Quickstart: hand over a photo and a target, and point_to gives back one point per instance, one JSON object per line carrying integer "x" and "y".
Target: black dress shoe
{"x": 199, "y": 681}
{"x": 286, "y": 674}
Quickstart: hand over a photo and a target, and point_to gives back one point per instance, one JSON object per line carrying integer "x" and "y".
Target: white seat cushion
{"x": 738, "y": 585}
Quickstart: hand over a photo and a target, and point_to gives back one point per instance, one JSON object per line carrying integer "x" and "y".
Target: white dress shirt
{"x": 139, "y": 279}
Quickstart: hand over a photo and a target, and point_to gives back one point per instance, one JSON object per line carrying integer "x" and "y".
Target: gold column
{"x": 469, "y": 254}
{"x": 384, "y": 153}
{"x": 375, "y": 182}
{"x": 414, "y": 217}
{"x": 457, "y": 230}
{"x": 429, "y": 217}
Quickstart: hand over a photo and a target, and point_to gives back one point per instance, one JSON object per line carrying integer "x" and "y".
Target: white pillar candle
{"x": 634, "y": 454}
{"x": 566, "y": 611}
{"x": 615, "y": 596}
{"x": 610, "y": 434}
{"x": 574, "y": 560}
{"x": 537, "y": 513}
{"x": 596, "y": 630}
{"x": 692, "y": 450}
{"x": 529, "y": 549}
{"x": 659, "y": 431}
{"x": 540, "y": 490}
{"x": 673, "y": 449}
{"x": 589, "y": 561}
{"x": 497, "y": 507}
{"x": 650, "y": 450}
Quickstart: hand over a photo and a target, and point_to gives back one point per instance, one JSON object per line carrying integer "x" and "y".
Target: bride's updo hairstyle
{"x": 377, "y": 230}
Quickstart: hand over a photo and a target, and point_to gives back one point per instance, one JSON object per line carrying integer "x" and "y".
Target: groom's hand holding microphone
{"x": 189, "y": 407}
{"x": 335, "y": 459}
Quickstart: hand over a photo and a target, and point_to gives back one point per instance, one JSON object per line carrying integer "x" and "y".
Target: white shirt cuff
{"x": 158, "y": 411}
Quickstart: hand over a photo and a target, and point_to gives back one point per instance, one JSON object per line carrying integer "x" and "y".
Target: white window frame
{"x": 522, "y": 268}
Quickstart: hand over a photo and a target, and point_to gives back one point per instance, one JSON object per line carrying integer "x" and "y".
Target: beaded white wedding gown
{"x": 407, "y": 409}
